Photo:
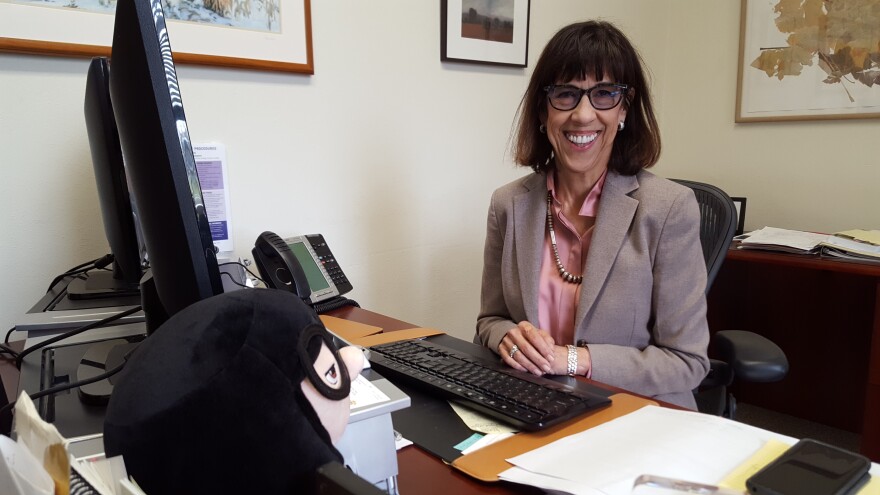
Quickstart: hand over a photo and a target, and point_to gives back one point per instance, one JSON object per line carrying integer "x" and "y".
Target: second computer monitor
{"x": 116, "y": 206}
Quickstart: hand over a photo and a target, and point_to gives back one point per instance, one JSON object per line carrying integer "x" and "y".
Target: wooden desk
{"x": 825, "y": 314}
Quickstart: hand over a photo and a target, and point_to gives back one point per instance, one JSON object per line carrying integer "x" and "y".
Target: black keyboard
{"x": 523, "y": 400}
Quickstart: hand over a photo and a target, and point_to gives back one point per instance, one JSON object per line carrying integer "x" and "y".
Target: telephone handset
{"x": 301, "y": 264}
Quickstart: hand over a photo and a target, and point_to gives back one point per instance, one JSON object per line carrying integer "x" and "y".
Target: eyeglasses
{"x": 603, "y": 96}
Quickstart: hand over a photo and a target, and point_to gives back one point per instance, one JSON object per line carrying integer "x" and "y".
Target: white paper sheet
{"x": 653, "y": 440}
{"x": 487, "y": 440}
{"x": 363, "y": 393}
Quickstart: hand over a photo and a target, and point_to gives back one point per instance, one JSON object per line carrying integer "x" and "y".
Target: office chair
{"x": 740, "y": 354}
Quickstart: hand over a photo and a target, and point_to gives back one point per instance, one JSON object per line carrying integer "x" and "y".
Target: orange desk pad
{"x": 487, "y": 463}
{"x": 395, "y": 336}
{"x": 348, "y": 330}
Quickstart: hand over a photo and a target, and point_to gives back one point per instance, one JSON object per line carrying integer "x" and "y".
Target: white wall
{"x": 392, "y": 155}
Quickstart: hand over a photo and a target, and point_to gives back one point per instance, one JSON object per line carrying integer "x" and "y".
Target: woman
{"x": 592, "y": 265}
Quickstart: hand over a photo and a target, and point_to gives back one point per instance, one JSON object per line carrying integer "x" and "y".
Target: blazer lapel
{"x": 529, "y": 211}
{"x": 616, "y": 212}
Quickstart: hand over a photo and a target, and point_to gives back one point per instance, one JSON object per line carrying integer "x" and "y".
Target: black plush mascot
{"x": 244, "y": 392}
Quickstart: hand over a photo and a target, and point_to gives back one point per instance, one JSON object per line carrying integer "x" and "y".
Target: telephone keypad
{"x": 329, "y": 263}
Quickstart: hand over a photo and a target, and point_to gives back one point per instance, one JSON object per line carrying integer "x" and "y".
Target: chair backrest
{"x": 717, "y": 224}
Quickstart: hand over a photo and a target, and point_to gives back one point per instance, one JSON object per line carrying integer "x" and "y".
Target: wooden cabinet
{"x": 825, "y": 314}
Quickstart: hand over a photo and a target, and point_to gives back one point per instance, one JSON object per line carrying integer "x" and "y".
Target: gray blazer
{"x": 642, "y": 307}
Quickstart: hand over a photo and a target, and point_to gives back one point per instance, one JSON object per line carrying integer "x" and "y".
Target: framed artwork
{"x": 740, "y": 205}
{"x": 492, "y": 32}
{"x": 808, "y": 60}
{"x": 255, "y": 34}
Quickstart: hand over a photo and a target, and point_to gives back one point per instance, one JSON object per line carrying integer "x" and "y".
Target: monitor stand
{"x": 99, "y": 358}
{"x": 101, "y": 284}
{"x": 56, "y": 311}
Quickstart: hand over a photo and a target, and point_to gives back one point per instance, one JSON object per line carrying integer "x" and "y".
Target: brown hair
{"x": 597, "y": 49}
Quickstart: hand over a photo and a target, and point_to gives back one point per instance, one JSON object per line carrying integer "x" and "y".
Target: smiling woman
{"x": 592, "y": 265}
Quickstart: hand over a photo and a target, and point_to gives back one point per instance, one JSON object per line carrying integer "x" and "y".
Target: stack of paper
{"x": 684, "y": 445}
{"x": 785, "y": 240}
{"x": 854, "y": 245}
{"x": 64, "y": 473}
{"x": 665, "y": 442}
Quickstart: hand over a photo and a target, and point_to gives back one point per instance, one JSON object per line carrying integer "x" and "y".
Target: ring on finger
{"x": 513, "y": 350}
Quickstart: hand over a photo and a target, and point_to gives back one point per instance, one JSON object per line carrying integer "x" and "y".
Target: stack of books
{"x": 861, "y": 246}
{"x": 784, "y": 240}
{"x": 854, "y": 245}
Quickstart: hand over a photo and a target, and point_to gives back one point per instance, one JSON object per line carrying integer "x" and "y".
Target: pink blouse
{"x": 557, "y": 299}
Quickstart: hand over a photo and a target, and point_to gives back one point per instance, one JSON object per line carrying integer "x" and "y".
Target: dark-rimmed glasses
{"x": 604, "y": 96}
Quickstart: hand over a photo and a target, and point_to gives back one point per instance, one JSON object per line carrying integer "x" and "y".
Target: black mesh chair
{"x": 743, "y": 355}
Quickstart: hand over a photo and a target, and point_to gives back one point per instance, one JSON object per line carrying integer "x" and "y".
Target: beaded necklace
{"x": 565, "y": 274}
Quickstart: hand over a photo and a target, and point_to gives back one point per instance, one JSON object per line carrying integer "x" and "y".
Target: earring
{"x": 542, "y": 129}
{"x": 620, "y": 126}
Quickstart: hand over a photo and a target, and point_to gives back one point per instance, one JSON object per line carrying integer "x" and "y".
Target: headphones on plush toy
{"x": 332, "y": 381}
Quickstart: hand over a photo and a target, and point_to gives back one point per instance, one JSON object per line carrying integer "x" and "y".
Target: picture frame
{"x": 740, "y": 204}
{"x": 485, "y": 32}
{"x": 277, "y": 38}
{"x": 787, "y": 72}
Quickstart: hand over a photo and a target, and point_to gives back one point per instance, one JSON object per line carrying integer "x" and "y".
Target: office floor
{"x": 796, "y": 427}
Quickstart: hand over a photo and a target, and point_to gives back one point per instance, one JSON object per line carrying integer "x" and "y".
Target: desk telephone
{"x": 301, "y": 264}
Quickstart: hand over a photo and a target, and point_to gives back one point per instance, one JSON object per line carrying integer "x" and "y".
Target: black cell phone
{"x": 811, "y": 467}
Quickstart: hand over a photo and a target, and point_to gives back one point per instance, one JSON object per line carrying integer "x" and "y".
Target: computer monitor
{"x": 159, "y": 162}
{"x": 116, "y": 207}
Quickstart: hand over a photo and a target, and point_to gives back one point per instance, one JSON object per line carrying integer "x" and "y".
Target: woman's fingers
{"x": 540, "y": 340}
{"x": 536, "y": 362}
{"x": 518, "y": 352}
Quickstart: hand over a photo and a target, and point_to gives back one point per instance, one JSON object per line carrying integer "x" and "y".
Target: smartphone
{"x": 811, "y": 467}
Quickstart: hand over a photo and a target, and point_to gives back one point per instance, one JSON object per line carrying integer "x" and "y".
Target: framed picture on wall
{"x": 267, "y": 34}
{"x": 492, "y": 32}
{"x": 740, "y": 204}
{"x": 808, "y": 60}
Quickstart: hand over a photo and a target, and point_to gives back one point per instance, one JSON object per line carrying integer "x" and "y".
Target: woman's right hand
{"x": 534, "y": 351}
